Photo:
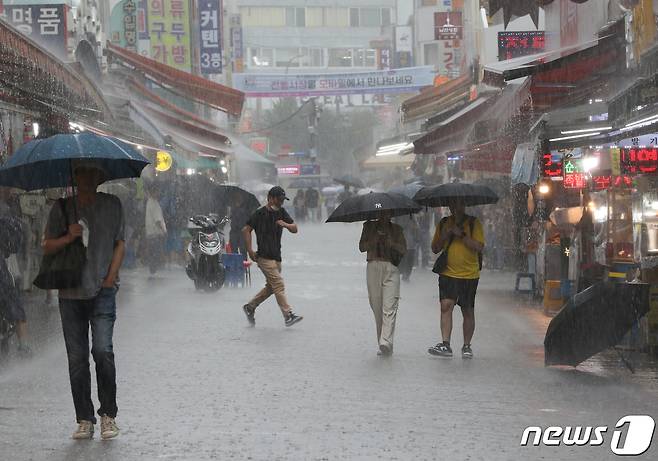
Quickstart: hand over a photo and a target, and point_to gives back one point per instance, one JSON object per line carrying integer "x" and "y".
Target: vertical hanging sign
{"x": 210, "y": 42}
{"x": 169, "y": 29}
{"x": 237, "y": 53}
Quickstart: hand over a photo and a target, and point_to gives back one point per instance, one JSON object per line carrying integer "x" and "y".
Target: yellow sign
{"x": 169, "y": 28}
{"x": 163, "y": 161}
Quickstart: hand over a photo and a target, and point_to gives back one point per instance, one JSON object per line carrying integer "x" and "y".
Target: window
{"x": 261, "y": 57}
{"x": 340, "y": 57}
{"x": 428, "y": 3}
{"x": 354, "y": 17}
{"x": 365, "y": 58}
{"x": 288, "y": 57}
{"x": 315, "y": 17}
{"x": 386, "y": 17}
{"x": 337, "y": 17}
{"x": 295, "y": 17}
{"x": 263, "y": 16}
{"x": 370, "y": 17}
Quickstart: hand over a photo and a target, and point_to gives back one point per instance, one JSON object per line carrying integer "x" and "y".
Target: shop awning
{"x": 524, "y": 165}
{"x": 191, "y": 86}
{"x": 491, "y": 157}
{"x": 36, "y": 77}
{"x": 434, "y": 100}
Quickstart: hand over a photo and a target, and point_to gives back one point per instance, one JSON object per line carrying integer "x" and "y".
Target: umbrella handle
{"x": 75, "y": 205}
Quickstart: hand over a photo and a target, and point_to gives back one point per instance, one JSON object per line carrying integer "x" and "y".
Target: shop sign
{"x": 169, "y": 30}
{"x": 407, "y": 80}
{"x": 289, "y": 170}
{"x": 259, "y": 145}
{"x": 639, "y": 160}
{"x": 163, "y": 161}
{"x": 516, "y": 44}
{"x": 552, "y": 165}
{"x": 237, "y": 45}
{"x": 614, "y": 181}
{"x": 130, "y": 25}
{"x": 403, "y": 39}
{"x": 448, "y": 25}
{"x": 575, "y": 181}
{"x": 310, "y": 169}
{"x": 210, "y": 29}
{"x": 45, "y": 24}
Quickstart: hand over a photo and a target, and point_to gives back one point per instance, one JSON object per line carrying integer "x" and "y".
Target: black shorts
{"x": 462, "y": 291}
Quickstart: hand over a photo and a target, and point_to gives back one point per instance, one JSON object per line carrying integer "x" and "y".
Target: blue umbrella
{"x": 46, "y": 163}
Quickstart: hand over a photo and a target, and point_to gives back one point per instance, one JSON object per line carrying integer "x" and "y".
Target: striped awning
{"x": 191, "y": 86}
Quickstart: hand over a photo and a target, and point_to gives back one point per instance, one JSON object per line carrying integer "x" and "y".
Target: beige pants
{"x": 273, "y": 285}
{"x": 384, "y": 295}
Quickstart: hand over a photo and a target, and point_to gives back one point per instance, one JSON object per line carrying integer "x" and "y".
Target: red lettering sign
{"x": 637, "y": 160}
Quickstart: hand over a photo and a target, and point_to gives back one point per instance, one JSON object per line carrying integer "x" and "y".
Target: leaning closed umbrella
{"x": 370, "y": 206}
{"x": 46, "y": 163}
{"x": 230, "y": 195}
{"x": 444, "y": 194}
{"x": 594, "y": 320}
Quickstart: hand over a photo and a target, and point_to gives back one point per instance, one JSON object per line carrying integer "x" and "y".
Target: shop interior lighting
{"x": 224, "y": 170}
{"x": 35, "y": 129}
{"x": 544, "y": 189}
{"x": 575, "y": 136}
{"x": 222, "y": 162}
{"x": 191, "y": 171}
{"x": 648, "y": 120}
{"x": 590, "y": 163}
{"x": 587, "y": 130}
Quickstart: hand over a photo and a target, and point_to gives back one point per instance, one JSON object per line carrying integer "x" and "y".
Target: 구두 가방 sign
{"x": 169, "y": 32}
{"x": 210, "y": 28}
{"x": 407, "y": 80}
{"x": 45, "y": 24}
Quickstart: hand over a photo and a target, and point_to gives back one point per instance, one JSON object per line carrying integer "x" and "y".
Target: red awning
{"x": 32, "y": 73}
{"x": 192, "y": 86}
{"x": 437, "y": 99}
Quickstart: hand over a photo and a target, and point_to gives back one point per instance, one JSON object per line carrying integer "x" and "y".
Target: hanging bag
{"x": 63, "y": 270}
{"x": 441, "y": 262}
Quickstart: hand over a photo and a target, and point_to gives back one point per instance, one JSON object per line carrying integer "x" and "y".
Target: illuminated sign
{"x": 575, "y": 181}
{"x": 163, "y": 161}
{"x": 516, "y": 44}
{"x": 552, "y": 165}
{"x": 289, "y": 170}
{"x": 607, "y": 182}
{"x": 639, "y": 160}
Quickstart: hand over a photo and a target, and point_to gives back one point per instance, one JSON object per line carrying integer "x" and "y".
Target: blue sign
{"x": 210, "y": 44}
{"x": 45, "y": 24}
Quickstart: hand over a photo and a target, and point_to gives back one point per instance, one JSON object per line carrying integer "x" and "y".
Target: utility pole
{"x": 313, "y": 129}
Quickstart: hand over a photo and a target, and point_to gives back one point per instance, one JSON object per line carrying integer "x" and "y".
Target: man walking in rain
{"x": 93, "y": 304}
{"x": 463, "y": 237}
{"x": 269, "y": 222}
{"x": 384, "y": 244}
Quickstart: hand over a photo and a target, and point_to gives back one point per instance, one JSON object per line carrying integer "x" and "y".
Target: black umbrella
{"x": 351, "y": 181}
{"x": 230, "y": 195}
{"x": 442, "y": 195}
{"x": 370, "y": 206}
{"x": 408, "y": 190}
{"x": 594, "y": 320}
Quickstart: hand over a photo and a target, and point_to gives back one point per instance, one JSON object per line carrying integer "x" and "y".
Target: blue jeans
{"x": 77, "y": 316}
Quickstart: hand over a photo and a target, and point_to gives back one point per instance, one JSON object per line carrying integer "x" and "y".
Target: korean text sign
{"x": 169, "y": 30}
{"x": 45, "y": 24}
{"x": 210, "y": 41}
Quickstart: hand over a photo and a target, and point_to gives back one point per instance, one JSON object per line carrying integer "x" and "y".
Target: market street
{"x": 195, "y": 382}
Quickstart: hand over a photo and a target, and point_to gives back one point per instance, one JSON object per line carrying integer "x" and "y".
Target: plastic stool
{"x": 247, "y": 272}
{"x": 525, "y": 275}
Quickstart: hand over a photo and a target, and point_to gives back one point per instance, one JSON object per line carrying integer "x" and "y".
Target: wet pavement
{"x": 195, "y": 382}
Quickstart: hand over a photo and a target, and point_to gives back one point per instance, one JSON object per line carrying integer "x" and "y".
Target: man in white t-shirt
{"x": 155, "y": 230}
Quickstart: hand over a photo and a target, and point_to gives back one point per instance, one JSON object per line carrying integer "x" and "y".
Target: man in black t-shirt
{"x": 269, "y": 222}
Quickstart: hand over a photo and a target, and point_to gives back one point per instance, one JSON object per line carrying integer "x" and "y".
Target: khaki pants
{"x": 384, "y": 295}
{"x": 273, "y": 285}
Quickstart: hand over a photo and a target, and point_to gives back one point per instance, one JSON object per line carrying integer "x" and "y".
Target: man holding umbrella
{"x": 462, "y": 237}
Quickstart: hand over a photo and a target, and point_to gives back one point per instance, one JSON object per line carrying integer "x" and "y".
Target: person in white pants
{"x": 385, "y": 246}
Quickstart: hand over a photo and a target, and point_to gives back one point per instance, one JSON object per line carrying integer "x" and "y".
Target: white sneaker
{"x": 109, "y": 429}
{"x": 85, "y": 431}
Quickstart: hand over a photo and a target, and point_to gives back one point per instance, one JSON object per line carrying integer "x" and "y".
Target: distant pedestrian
{"x": 155, "y": 230}
{"x": 299, "y": 204}
{"x": 463, "y": 237}
{"x": 269, "y": 222}
{"x": 313, "y": 204}
{"x": 384, "y": 245}
{"x": 93, "y": 304}
{"x": 239, "y": 217}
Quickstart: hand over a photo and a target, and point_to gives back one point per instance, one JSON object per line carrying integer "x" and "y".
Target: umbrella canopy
{"x": 371, "y": 206}
{"x": 230, "y": 195}
{"x": 443, "y": 194}
{"x": 46, "y": 163}
{"x": 594, "y": 320}
{"x": 408, "y": 190}
{"x": 351, "y": 181}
